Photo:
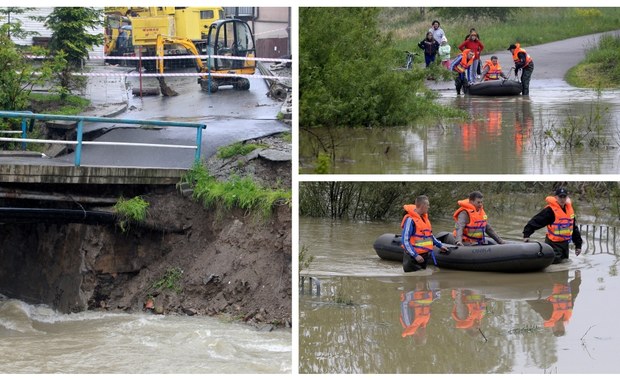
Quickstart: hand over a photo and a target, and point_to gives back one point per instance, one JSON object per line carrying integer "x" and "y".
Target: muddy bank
{"x": 226, "y": 262}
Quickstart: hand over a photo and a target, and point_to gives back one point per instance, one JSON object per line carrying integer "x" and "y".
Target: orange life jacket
{"x": 422, "y": 239}
{"x": 474, "y": 230}
{"x": 515, "y": 55}
{"x": 562, "y": 301}
{"x": 464, "y": 64}
{"x": 476, "y": 308}
{"x": 415, "y": 310}
{"x": 494, "y": 70}
{"x": 562, "y": 227}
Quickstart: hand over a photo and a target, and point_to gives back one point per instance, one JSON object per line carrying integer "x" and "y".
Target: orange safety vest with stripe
{"x": 476, "y": 308}
{"x": 464, "y": 64}
{"x": 562, "y": 301}
{"x": 422, "y": 239}
{"x": 494, "y": 72}
{"x": 515, "y": 55}
{"x": 415, "y": 310}
{"x": 561, "y": 229}
{"x": 474, "y": 230}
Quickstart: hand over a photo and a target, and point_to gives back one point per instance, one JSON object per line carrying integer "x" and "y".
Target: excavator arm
{"x": 186, "y": 43}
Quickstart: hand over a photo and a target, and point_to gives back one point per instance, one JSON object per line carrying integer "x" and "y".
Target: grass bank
{"x": 529, "y": 26}
{"x": 52, "y": 104}
{"x": 600, "y": 69}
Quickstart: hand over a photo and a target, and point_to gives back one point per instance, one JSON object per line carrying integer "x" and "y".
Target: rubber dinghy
{"x": 511, "y": 257}
{"x": 505, "y": 87}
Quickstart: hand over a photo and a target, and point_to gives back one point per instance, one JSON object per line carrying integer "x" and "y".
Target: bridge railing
{"x": 80, "y": 120}
{"x": 600, "y": 239}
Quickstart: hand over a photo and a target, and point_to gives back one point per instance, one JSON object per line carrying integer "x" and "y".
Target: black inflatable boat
{"x": 501, "y": 87}
{"x": 510, "y": 257}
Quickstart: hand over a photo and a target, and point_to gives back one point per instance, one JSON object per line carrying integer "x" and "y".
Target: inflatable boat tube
{"x": 505, "y": 87}
{"x": 512, "y": 257}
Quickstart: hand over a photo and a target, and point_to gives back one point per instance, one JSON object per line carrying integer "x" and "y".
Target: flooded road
{"x": 507, "y": 135}
{"x": 368, "y": 316}
{"x": 35, "y": 339}
{"x": 556, "y": 129}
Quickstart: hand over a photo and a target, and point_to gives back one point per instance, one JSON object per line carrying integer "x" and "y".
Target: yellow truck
{"x": 147, "y": 23}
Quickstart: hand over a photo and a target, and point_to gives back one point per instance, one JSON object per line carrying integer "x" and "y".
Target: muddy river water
{"x": 35, "y": 339}
{"x": 367, "y": 316}
{"x": 507, "y": 135}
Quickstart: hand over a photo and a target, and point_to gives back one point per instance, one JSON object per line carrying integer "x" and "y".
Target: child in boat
{"x": 492, "y": 70}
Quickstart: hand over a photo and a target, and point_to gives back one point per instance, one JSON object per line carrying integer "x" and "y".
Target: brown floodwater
{"x": 507, "y": 135}
{"x": 367, "y": 316}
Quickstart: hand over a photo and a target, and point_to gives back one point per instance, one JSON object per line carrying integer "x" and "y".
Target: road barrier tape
{"x": 134, "y": 74}
{"x": 147, "y": 58}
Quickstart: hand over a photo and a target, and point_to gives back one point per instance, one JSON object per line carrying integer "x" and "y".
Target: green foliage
{"x": 581, "y": 130}
{"x": 384, "y": 200}
{"x": 600, "y": 69}
{"x": 69, "y": 26}
{"x": 71, "y": 41}
{"x": 129, "y": 210}
{"x": 305, "y": 259}
{"x": 237, "y": 148}
{"x": 238, "y": 192}
{"x": 13, "y": 24}
{"x": 346, "y": 73}
{"x": 171, "y": 280}
{"x": 17, "y": 75}
{"x": 286, "y": 136}
{"x": 323, "y": 163}
{"x": 499, "y": 14}
{"x": 53, "y": 104}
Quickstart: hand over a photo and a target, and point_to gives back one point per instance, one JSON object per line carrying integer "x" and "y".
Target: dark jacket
{"x": 429, "y": 47}
{"x": 546, "y": 217}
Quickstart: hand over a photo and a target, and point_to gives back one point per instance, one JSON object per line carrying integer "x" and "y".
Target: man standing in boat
{"x": 559, "y": 217}
{"x": 523, "y": 62}
{"x": 417, "y": 238}
{"x": 472, "y": 224}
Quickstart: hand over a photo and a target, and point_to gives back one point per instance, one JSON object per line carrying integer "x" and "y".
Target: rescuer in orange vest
{"x": 492, "y": 70}
{"x": 417, "y": 238}
{"x": 472, "y": 225}
{"x": 469, "y": 309}
{"x": 522, "y": 62}
{"x": 559, "y": 217}
{"x": 460, "y": 65}
{"x": 415, "y": 311}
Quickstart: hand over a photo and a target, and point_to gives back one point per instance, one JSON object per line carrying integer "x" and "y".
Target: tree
{"x": 17, "y": 76}
{"x": 69, "y": 26}
{"x": 14, "y": 27}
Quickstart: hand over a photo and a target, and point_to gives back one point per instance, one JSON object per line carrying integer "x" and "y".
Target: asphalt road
{"x": 230, "y": 115}
{"x": 551, "y": 60}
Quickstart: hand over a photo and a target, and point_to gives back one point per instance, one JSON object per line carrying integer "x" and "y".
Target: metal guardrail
{"x": 600, "y": 239}
{"x": 27, "y": 115}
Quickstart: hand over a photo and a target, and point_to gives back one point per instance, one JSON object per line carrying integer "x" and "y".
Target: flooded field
{"x": 360, "y": 314}
{"x": 507, "y": 135}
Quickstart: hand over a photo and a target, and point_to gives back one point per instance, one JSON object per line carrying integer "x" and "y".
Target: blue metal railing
{"x": 27, "y": 115}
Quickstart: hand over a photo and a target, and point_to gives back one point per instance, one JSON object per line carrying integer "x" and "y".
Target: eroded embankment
{"x": 215, "y": 262}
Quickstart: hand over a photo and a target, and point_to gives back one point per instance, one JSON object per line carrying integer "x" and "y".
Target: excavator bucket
{"x": 165, "y": 90}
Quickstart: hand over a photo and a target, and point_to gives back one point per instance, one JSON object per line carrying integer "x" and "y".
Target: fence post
{"x": 78, "y": 148}
{"x": 24, "y": 134}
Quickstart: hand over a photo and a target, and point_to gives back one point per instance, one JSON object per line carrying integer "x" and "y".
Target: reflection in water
{"x": 507, "y": 135}
{"x": 557, "y": 309}
{"x": 511, "y": 324}
{"x": 415, "y": 311}
{"x": 469, "y": 309}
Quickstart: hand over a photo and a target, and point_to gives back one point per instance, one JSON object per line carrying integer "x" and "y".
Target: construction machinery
{"x": 229, "y": 50}
{"x": 146, "y": 23}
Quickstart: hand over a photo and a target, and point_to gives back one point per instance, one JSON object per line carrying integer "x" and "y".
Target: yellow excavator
{"x": 226, "y": 38}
